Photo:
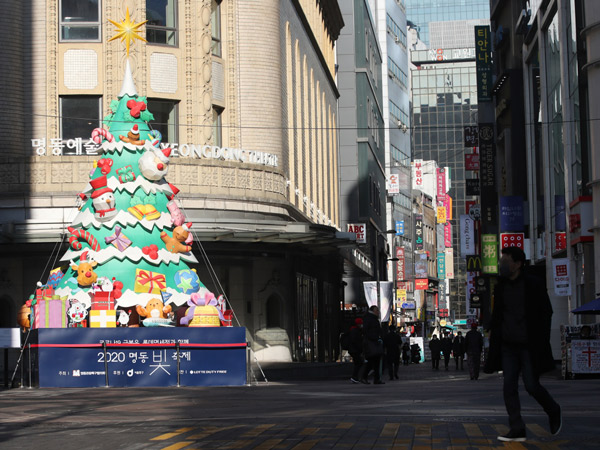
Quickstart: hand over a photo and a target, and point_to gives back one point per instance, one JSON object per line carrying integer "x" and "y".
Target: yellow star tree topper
{"x": 128, "y": 31}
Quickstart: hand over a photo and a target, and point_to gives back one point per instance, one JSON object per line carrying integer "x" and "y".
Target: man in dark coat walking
{"x": 435, "y": 345}
{"x": 446, "y": 349}
{"x": 474, "y": 347}
{"x": 458, "y": 349}
{"x": 373, "y": 345}
{"x": 392, "y": 342}
{"x": 520, "y": 341}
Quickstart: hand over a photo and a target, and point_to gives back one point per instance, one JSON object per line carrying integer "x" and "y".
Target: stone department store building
{"x": 245, "y": 92}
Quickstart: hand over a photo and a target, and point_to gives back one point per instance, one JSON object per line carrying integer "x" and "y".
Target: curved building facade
{"x": 244, "y": 92}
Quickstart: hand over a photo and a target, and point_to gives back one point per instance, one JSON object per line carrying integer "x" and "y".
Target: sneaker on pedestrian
{"x": 354, "y": 380}
{"x": 555, "y": 422}
{"x": 513, "y": 436}
{"x": 365, "y": 381}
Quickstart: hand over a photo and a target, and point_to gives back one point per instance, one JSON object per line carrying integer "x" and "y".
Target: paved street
{"x": 421, "y": 410}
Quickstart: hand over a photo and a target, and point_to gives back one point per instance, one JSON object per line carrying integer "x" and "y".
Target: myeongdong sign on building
{"x": 79, "y": 146}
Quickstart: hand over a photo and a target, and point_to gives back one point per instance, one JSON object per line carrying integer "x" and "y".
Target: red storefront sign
{"x": 512, "y": 240}
{"x": 472, "y": 161}
{"x": 421, "y": 284}
{"x": 400, "y": 274}
{"x": 561, "y": 240}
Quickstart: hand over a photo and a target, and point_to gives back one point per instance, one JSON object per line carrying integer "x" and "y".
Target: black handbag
{"x": 373, "y": 348}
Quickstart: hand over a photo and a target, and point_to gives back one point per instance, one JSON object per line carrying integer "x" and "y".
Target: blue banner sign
{"x": 120, "y": 357}
{"x": 399, "y": 227}
{"x": 511, "y": 213}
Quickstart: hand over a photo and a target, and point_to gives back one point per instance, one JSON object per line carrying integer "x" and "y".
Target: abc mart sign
{"x": 78, "y": 146}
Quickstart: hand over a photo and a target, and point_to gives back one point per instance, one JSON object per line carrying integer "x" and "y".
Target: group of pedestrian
{"x": 457, "y": 347}
{"x": 369, "y": 349}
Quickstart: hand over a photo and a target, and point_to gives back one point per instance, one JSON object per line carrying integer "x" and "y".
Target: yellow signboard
{"x": 441, "y": 214}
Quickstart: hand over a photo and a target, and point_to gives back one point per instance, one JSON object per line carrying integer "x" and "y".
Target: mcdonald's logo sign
{"x": 474, "y": 263}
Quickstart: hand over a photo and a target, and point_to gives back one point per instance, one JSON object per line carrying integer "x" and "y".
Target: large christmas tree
{"x": 130, "y": 235}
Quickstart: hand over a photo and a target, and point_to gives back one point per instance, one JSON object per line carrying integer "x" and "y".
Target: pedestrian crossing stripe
{"x": 415, "y": 436}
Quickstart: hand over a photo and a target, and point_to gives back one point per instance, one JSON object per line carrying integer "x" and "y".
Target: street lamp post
{"x": 377, "y": 276}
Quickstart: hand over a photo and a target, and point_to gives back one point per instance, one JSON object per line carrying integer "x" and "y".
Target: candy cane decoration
{"x": 100, "y": 133}
{"x": 88, "y": 237}
{"x": 156, "y": 137}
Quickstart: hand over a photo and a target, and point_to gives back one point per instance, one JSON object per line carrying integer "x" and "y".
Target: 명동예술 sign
{"x": 85, "y": 357}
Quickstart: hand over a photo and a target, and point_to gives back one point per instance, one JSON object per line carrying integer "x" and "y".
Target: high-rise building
{"x": 362, "y": 145}
{"x": 444, "y": 101}
{"x": 391, "y": 30}
{"x": 421, "y": 14}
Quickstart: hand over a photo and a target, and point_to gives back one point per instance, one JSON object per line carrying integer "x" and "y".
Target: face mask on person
{"x": 504, "y": 269}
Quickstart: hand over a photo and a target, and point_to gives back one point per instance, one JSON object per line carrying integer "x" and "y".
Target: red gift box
{"x": 103, "y": 301}
{"x": 43, "y": 291}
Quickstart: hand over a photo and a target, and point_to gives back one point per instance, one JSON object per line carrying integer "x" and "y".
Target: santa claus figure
{"x": 103, "y": 199}
{"x": 154, "y": 163}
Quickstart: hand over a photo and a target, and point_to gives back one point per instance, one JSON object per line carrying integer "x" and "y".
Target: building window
{"x": 79, "y": 115}
{"x": 80, "y": 20}
{"x": 161, "y": 27}
{"x": 217, "y": 126}
{"x": 165, "y": 114}
{"x": 216, "y": 27}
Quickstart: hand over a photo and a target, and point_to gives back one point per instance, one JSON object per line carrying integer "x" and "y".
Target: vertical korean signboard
{"x": 400, "y": 273}
{"x": 489, "y": 253}
{"x": 441, "y": 265}
{"x": 441, "y": 184}
{"x": 418, "y": 232}
{"x": 489, "y": 195}
{"x": 418, "y": 173}
{"x": 483, "y": 55}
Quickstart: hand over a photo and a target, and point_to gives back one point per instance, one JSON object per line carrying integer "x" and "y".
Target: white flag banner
{"x": 386, "y": 297}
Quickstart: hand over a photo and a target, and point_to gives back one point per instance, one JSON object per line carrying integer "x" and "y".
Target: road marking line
{"x": 306, "y": 445}
{"x": 178, "y": 445}
{"x": 258, "y": 430}
{"x": 472, "y": 430}
{"x": 238, "y": 444}
{"x": 423, "y": 430}
{"x": 166, "y": 436}
{"x": 268, "y": 444}
{"x": 309, "y": 431}
{"x": 389, "y": 430}
{"x": 344, "y": 425}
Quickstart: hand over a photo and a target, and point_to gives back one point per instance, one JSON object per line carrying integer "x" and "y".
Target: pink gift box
{"x": 50, "y": 313}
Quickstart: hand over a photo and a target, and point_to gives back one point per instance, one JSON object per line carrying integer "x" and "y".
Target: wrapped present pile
{"x": 130, "y": 244}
